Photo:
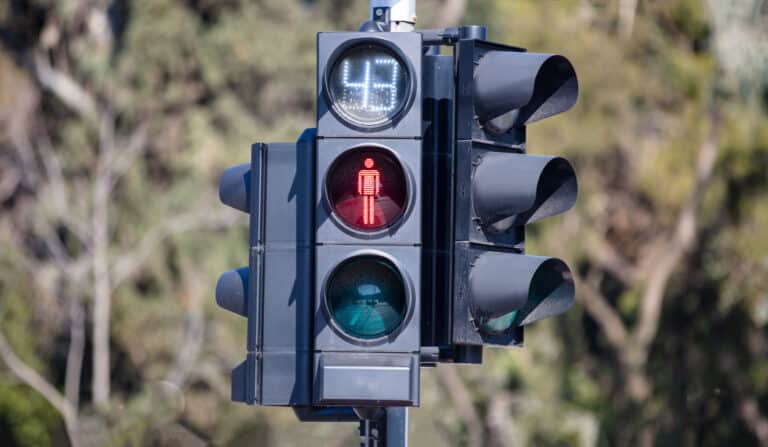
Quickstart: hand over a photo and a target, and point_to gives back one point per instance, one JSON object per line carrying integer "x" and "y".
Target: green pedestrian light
{"x": 366, "y": 297}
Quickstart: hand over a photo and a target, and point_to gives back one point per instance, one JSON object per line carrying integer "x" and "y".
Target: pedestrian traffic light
{"x": 392, "y": 236}
{"x": 499, "y": 188}
{"x": 368, "y": 227}
{"x": 367, "y": 189}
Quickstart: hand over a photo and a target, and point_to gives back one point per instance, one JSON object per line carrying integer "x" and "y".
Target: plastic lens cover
{"x": 368, "y": 85}
{"x": 366, "y": 297}
{"x": 367, "y": 188}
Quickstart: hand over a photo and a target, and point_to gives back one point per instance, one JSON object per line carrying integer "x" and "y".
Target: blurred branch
{"x": 113, "y": 161}
{"x": 602, "y": 312}
{"x": 57, "y": 195}
{"x": 500, "y": 428}
{"x": 445, "y": 431}
{"x": 9, "y": 180}
{"x": 35, "y": 381}
{"x": 26, "y": 154}
{"x": 76, "y": 352}
{"x": 130, "y": 262}
{"x": 750, "y": 412}
{"x": 128, "y": 151}
{"x": 53, "y": 243}
{"x": 604, "y": 255}
{"x": 102, "y": 284}
{"x": 450, "y": 13}
{"x": 66, "y": 89}
{"x": 212, "y": 375}
{"x": 627, "y": 14}
{"x": 192, "y": 340}
{"x": 670, "y": 254}
{"x": 632, "y": 347}
{"x": 462, "y": 400}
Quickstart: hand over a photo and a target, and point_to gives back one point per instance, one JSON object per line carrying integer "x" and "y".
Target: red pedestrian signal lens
{"x": 367, "y": 188}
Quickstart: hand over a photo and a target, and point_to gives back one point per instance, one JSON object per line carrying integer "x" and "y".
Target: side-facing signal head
{"x": 516, "y": 189}
{"x": 507, "y": 290}
{"x": 514, "y": 89}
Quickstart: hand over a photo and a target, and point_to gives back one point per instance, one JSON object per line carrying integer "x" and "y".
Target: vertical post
{"x": 397, "y": 427}
{"x": 373, "y": 428}
{"x": 388, "y": 428}
{"x": 402, "y": 13}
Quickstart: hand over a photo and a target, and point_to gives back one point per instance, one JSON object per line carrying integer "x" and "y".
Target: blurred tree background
{"x": 118, "y": 116}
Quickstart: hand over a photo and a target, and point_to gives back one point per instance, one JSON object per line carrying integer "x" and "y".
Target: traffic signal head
{"x": 500, "y": 89}
{"x": 509, "y": 290}
{"x": 499, "y": 188}
{"x": 515, "y": 89}
{"x": 368, "y": 220}
{"x": 337, "y": 276}
{"x": 511, "y": 189}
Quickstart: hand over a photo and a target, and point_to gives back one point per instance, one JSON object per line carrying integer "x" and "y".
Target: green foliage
{"x": 26, "y": 419}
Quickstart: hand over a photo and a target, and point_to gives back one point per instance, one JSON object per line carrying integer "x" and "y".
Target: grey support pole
{"x": 388, "y": 428}
{"x": 402, "y": 13}
{"x": 397, "y": 427}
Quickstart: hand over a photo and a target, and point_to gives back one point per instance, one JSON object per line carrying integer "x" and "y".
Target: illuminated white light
{"x": 366, "y": 88}
{"x": 369, "y": 86}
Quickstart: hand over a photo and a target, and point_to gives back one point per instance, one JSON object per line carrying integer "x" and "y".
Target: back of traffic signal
{"x": 391, "y": 235}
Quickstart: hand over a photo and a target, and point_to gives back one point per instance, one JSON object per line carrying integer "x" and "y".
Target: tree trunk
{"x": 73, "y": 374}
{"x": 101, "y": 294}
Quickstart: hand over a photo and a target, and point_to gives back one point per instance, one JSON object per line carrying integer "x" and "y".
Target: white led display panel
{"x": 368, "y": 85}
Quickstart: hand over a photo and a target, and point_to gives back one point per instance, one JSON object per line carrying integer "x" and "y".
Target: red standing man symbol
{"x": 368, "y": 186}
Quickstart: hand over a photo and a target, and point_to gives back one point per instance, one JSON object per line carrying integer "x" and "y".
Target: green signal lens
{"x": 548, "y": 282}
{"x": 498, "y": 325}
{"x": 366, "y": 297}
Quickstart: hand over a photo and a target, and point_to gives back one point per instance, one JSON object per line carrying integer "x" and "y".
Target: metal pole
{"x": 388, "y": 429}
{"x": 397, "y": 427}
{"x": 402, "y": 13}
{"x": 373, "y": 426}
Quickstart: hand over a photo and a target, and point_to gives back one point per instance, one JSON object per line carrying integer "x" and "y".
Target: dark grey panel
{"x": 245, "y": 381}
{"x": 278, "y": 285}
{"x": 325, "y": 414}
{"x": 285, "y": 378}
{"x": 437, "y": 200}
{"x": 367, "y": 379}
{"x": 286, "y": 308}
{"x": 289, "y": 199}
{"x": 287, "y": 275}
{"x": 256, "y": 237}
